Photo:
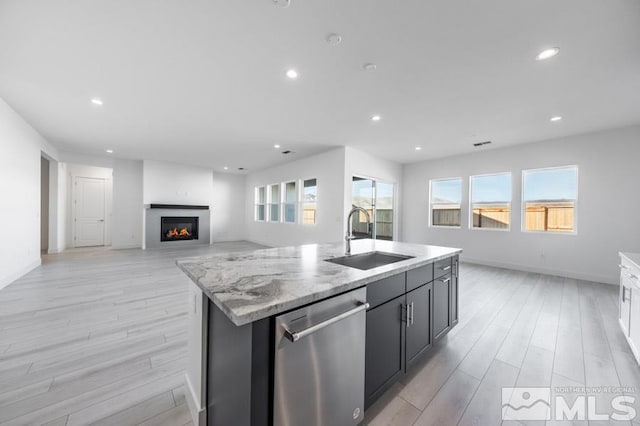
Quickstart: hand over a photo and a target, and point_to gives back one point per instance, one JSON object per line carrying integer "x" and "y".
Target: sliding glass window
{"x": 550, "y": 200}
{"x": 274, "y": 202}
{"x": 260, "y": 203}
{"x": 445, "y": 202}
{"x": 491, "y": 201}
{"x": 309, "y": 201}
{"x": 290, "y": 202}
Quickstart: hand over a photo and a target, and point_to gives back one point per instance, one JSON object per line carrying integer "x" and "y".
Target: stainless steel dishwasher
{"x": 319, "y": 363}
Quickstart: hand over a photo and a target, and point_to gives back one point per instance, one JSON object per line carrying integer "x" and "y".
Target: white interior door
{"x": 89, "y": 212}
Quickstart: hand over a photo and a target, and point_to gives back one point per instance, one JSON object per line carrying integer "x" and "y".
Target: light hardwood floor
{"x": 98, "y": 337}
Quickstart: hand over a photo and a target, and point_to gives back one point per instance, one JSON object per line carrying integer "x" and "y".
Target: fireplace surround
{"x": 171, "y": 225}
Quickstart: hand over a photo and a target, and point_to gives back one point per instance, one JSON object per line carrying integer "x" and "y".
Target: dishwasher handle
{"x": 294, "y": 336}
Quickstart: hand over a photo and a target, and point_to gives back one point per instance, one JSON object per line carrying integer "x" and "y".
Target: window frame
{"x": 474, "y": 228}
{"x": 523, "y": 206}
{"x": 430, "y": 203}
{"x": 269, "y": 203}
{"x": 257, "y": 204}
{"x": 302, "y": 201}
{"x": 284, "y": 203}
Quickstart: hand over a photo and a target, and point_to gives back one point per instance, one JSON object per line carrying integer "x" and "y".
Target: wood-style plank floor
{"x": 99, "y": 337}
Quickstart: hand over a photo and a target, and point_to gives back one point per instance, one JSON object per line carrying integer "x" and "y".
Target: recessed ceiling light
{"x": 556, "y": 118}
{"x": 375, "y": 118}
{"x": 292, "y": 74}
{"x": 282, "y": 3}
{"x": 276, "y": 146}
{"x": 369, "y": 67}
{"x": 96, "y": 101}
{"x": 334, "y": 39}
{"x": 548, "y": 53}
{"x": 226, "y": 168}
{"x": 418, "y": 148}
{"x": 109, "y": 151}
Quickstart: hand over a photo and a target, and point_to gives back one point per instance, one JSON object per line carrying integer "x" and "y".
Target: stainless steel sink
{"x": 369, "y": 260}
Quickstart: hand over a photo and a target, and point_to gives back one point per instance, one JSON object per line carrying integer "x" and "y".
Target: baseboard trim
{"x": 19, "y": 273}
{"x": 127, "y": 247}
{"x": 545, "y": 271}
{"x": 198, "y": 413}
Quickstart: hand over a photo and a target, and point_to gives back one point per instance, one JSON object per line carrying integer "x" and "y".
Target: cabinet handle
{"x": 624, "y": 293}
{"x": 634, "y": 276}
{"x": 456, "y": 270}
{"x": 295, "y": 336}
{"x": 409, "y": 314}
{"x": 446, "y": 268}
{"x": 446, "y": 280}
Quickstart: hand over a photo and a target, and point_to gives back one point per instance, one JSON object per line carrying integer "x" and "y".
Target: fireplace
{"x": 181, "y": 228}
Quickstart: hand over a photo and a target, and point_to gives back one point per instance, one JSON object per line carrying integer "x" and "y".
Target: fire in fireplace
{"x": 178, "y": 228}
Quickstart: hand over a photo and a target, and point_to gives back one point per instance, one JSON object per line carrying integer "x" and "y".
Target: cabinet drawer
{"x": 442, "y": 267}
{"x": 419, "y": 276}
{"x": 386, "y": 289}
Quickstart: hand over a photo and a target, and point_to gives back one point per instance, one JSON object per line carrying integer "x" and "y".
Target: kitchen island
{"x": 256, "y": 332}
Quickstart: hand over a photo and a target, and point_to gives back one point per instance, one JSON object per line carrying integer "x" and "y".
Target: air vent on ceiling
{"x": 481, "y": 143}
{"x": 287, "y": 152}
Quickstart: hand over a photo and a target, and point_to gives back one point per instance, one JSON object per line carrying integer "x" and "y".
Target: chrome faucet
{"x": 349, "y": 235}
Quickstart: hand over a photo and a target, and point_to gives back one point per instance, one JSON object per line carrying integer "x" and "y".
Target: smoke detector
{"x": 334, "y": 39}
{"x": 369, "y": 67}
{"x": 282, "y": 3}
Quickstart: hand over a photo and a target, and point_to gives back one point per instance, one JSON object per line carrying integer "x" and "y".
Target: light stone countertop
{"x": 253, "y": 285}
{"x": 632, "y": 257}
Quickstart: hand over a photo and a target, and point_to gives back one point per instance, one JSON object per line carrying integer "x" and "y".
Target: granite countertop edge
{"x": 186, "y": 265}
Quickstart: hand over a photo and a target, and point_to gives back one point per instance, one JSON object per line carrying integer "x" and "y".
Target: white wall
{"x": 44, "y": 204}
{"x": 329, "y": 169}
{"x": 81, "y": 170}
{"x": 58, "y": 183}
{"x": 228, "y": 207}
{"x": 172, "y": 183}
{"x": 127, "y": 204}
{"x": 362, "y": 164}
{"x": 608, "y": 205}
{"x": 22, "y": 148}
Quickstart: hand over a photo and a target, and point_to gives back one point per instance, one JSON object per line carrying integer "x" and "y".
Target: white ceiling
{"x": 203, "y": 82}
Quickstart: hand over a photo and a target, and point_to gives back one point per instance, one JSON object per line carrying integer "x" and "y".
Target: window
{"x": 550, "y": 199}
{"x": 446, "y": 196}
{"x": 290, "y": 200}
{"x": 260, "y": 200}
{"x": 377, "y": 198}
{"x": 309, "y": 201}
{"x": 491, "y": 201}
{"x": 274, "y": 203}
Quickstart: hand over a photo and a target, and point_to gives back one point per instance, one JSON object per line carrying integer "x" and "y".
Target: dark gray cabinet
{"x": 418, "y": 332}
{"x": 441, "y": 305}
{"x": 384, "y": 350}
{"x": 408, "y": 313}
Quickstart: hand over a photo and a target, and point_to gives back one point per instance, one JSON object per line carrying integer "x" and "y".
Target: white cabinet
{"x": 629, "y": 314}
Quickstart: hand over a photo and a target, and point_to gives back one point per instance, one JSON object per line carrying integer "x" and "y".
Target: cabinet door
{"x": 634, "y": 321}
{"x": 418, "y": 321}
{"x": 625, "y": 304}
{"x": 384, "y": 356}
{"x": 455, "y": 278}
{"x": 441, "y": 305}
